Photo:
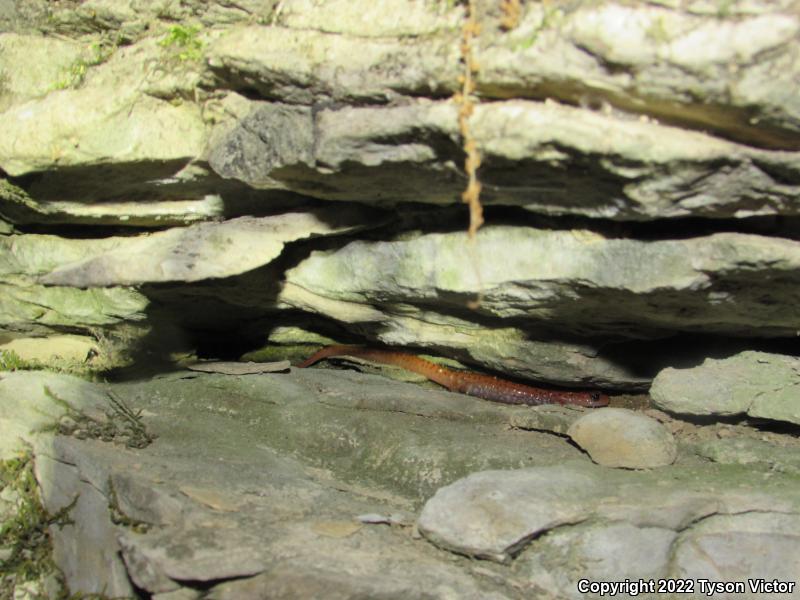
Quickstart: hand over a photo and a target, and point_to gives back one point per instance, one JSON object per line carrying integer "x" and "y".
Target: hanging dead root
{"x": 465, "y": 100}
{"x": 472, "y": 162}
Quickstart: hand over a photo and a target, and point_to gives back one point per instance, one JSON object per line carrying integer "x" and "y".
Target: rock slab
{"x": 617, "y": 437}
{"x": 756, "y": 384}
{"x": 496, "y": 514}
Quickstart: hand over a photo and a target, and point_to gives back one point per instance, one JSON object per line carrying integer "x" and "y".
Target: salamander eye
{"x": 595, "y": 396}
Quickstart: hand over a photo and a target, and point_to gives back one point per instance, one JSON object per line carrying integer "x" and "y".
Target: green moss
{"x": 184, "y": 42}
{"x": 24, "y": 536}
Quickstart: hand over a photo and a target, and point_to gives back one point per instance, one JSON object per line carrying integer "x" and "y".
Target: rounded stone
{"x": 618, "y": 437}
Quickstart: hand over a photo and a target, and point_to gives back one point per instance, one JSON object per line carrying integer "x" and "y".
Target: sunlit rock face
{"x": 252, "y": 180}
{"x": 639, "y": 173}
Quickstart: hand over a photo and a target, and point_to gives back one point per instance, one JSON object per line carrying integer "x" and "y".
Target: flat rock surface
{"x": 312, "y": 480}
{"x": 497, "y": 514}
{"x": 250, "y": 472}
{"x": 746, "y": 451}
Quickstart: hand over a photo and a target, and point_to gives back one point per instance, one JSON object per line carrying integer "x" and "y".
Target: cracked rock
{"x": 496, "y": 514}
{"x": 759, "y": 544}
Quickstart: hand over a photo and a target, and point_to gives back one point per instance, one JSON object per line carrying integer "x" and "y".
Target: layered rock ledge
{"x": 202, "y": 184}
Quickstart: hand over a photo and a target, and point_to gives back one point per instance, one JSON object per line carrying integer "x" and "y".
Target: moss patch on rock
{"x": 25, "y": 550}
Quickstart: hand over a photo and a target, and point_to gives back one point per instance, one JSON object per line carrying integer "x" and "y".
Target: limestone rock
{"x": 144, "y": 141}
{"x": 31, "y": 255}
{"x": 301, "y": 66}
{"x": 18, "y": 207}
{"x": 705, "y": 68}
{"x": 85, "y": 550}
{"x": 202, "y": 251}
{"x": 26, "y": 407}
{"x": 69, "y": 349}
{"x": 595, "y": 551}
{"x": 41, "y": 64}
{"x": 184, "y": 514}
{"x": 757, "y": 384}
{"x": 128, "y": 19}
{"x": 688, "y": 67}
{"x": 390, "y": 582}
{"x": 611, "y": 120}
{"x": 617, "y": 437}
{"x": 193, "y": 553}
{"x": 569, "y": 362}
{"x": 606, "y": 165}
{"x": 273, "y": 137}
{"x": 496, "y": 514}
{"x": 36, "y": 308}
{"x": 182, "y": 177}
{"x": 406, "y": 19}
{"x": 256, "y": 477}
{"x": 746, "y": 451}
{"x": 732, "y": 545}
{"x": 578, "y": 279}
{"x": 493, "y": 514}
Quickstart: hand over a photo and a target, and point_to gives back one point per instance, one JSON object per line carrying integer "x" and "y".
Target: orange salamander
{"x": 479, "y": 385}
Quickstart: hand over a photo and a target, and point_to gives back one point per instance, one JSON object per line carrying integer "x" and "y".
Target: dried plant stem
{"x": 466, "y": 106}
{"x": 464, "y": 98}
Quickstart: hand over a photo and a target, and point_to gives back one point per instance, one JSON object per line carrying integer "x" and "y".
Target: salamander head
{"x": 596, "y": 399}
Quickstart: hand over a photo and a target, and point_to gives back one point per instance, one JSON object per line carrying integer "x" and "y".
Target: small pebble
{"x": 618, "y": 437}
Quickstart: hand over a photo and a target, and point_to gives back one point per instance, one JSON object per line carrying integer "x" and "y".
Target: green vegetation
{"x": 26, "y": 563}
{"x": 98, "y": 53}
{"x": 24, "y": 540}
{"x": 10, "y": 361}
{"x": 121, "y": 423}
{"x": 184, "y": 41}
